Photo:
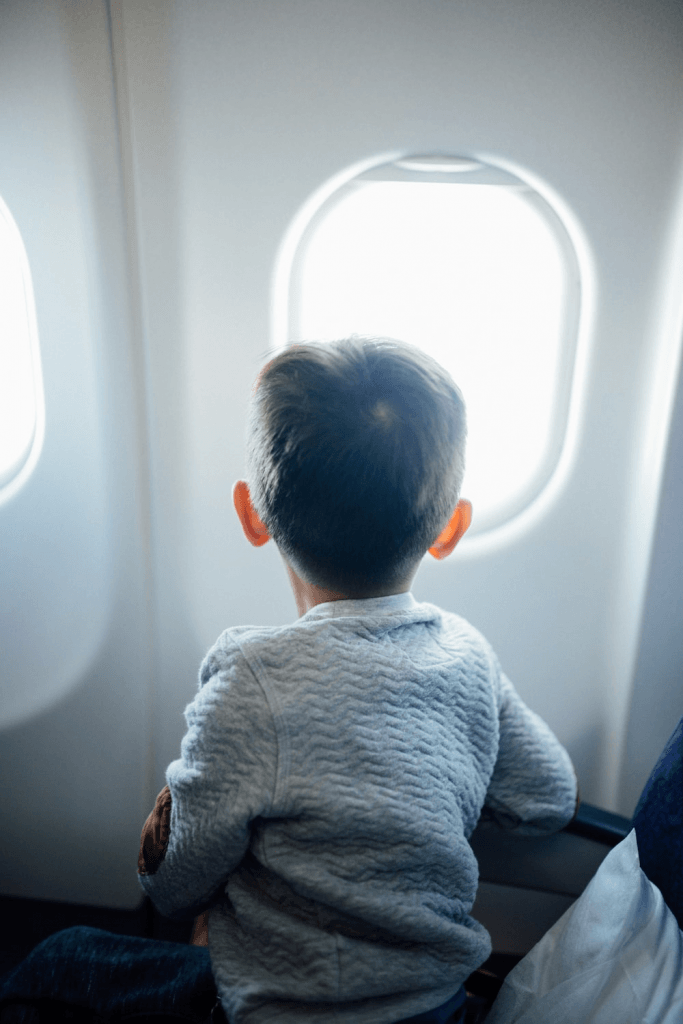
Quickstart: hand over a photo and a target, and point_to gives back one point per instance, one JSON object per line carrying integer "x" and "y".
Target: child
{"x": 334, "y": 769}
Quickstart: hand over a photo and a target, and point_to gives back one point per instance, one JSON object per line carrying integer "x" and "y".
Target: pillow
{"x": 615, "y": 957}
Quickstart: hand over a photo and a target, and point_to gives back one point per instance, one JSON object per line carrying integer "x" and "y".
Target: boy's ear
{"x": 255, "y": 531}
{"x": 453, "y": 531}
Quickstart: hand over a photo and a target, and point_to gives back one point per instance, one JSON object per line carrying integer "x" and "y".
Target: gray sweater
{"x": 331, "y": 775}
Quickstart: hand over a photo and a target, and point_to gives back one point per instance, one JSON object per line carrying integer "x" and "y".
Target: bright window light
{"x": 476, "y": 269}
{"x": 21, "y": 394}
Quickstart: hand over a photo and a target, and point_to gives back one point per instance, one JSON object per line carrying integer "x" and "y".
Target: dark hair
{"x": 355, "y": 458}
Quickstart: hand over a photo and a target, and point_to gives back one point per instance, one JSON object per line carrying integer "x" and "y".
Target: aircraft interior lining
{"x": 165, "y": 165}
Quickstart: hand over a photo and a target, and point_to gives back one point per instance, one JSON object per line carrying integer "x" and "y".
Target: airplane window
{"x": 470, "y": 263}
{"x": 21, "y": 398}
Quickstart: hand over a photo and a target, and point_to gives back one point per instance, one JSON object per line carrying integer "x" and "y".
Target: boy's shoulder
{"x": 351, "y": 621}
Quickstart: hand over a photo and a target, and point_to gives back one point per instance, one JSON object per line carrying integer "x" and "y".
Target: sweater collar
{"x": 369, "y": 606}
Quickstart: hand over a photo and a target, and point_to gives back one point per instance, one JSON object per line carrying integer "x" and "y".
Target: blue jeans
{"x": 113, "y": 976}
{"x": 121, "y": 977}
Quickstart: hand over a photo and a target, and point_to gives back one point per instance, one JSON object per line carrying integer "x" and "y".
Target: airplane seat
{"x": 526, "y": 883}
{"x": 658, "y": 819}
{"x": 519, "y": 870}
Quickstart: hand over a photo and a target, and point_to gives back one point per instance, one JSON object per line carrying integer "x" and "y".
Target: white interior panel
{"x": 74, "y": 670}
{"x": 586, "y": 105}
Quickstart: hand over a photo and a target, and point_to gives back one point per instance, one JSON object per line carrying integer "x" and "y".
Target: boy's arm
{"x": 533, "y": 789}
{"x": 200, "y": 827}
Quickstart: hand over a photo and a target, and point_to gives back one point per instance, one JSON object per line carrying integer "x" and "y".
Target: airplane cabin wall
{"x": 159, "y": 154}
{"x": 657, "y": 690}
{"x": 75, "y": 661}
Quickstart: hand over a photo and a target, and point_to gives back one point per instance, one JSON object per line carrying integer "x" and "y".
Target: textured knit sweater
{"x": 331, "y": 775}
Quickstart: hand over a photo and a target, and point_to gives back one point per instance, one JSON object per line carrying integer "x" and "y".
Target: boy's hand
{"x": 155, "y": 833}
{"x": 200, "y": 930}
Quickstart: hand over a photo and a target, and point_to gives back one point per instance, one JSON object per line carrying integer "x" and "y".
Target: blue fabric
{"x": 115, "y": 974}
{"x": 119, "y": 976}
{"x": 658, "y": 821}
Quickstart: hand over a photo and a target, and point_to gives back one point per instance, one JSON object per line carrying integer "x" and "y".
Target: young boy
{"x": 334, "y": 769}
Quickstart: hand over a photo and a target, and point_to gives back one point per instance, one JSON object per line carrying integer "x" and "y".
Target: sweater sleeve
{"x": 534, "y": 788}
{"x": 223, "y": 780}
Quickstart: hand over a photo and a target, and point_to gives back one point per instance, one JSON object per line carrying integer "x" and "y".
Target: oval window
{"x": 21, "y": 392}
{"x": 470, "y": 263}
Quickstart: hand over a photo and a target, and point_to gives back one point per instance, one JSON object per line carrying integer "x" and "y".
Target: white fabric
{"x": 615, "y": 957}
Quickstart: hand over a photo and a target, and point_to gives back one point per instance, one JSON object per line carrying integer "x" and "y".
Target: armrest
{"x": 602, "y": 826}
{"x": 526, "y": 882}
{"x": 562, "y": 862}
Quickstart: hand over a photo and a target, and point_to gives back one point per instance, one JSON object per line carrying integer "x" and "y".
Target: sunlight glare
{"x": 473, "y": 274}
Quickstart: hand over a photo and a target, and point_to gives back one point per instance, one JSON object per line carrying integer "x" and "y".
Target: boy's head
{"x": 355, "y": 456}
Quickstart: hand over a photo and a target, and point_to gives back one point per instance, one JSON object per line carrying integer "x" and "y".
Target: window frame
{"x": 18, "y": 471}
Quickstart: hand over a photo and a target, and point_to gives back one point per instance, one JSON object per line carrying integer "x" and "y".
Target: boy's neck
{"x": 308, "y": 595}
